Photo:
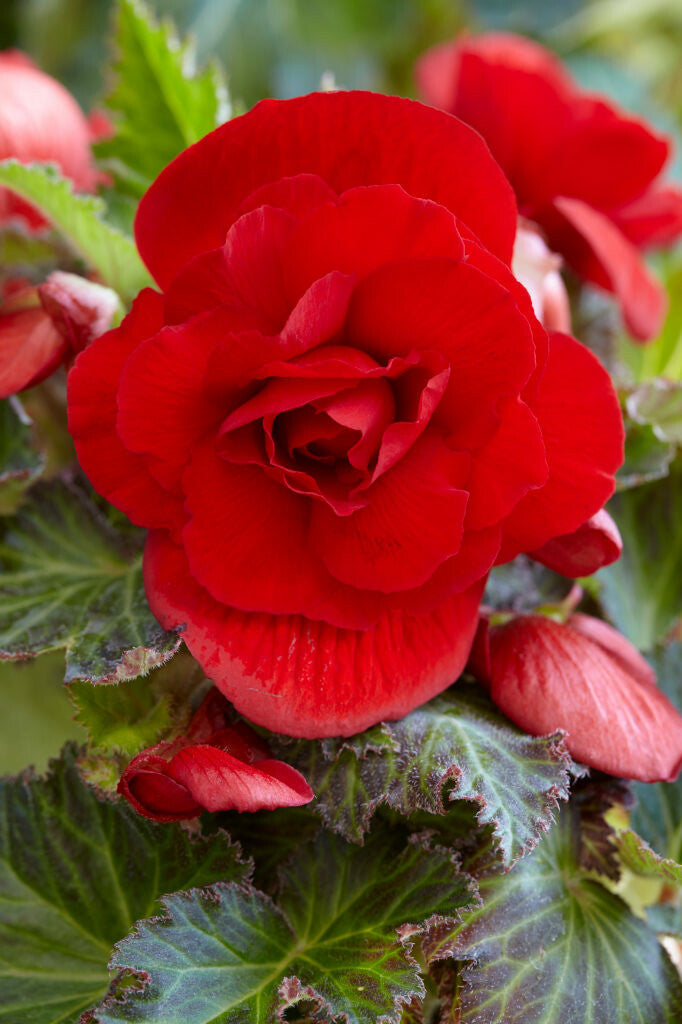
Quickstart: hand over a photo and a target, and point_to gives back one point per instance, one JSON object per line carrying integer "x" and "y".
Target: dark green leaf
{"x": 75, "y": 873}
{"x": 549, "y": 945}
{"x": 337, "y": 938}
{"x": 79, "y": 220}
{"x": 70, "y": 579}
{"x": 20, "y": 462}
{"x": 458, "y": 740}
{"x": 523, "y": 586}
{"x": 641, "y": 592}
{"x": 160, "y": 104}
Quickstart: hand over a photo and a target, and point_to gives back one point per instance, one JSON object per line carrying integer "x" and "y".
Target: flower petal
{"x": 547, "y": 676}
{"x": 307, "y": 678}
{"x": 582, "y": 429}
{"x": 348, "y": 139}
{"x": 599, "y": 252}
{"x": 121, "y": 476}
{"x": 592, "y": 546}
{"x": 220, "y": 782}
{"x": 31, "y": 348}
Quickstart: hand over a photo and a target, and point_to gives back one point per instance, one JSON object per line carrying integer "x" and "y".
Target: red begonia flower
{"x": 585, "y": 171}
{"x": 42, "y": 328}
{"x": 216, "y": 766}
{"x": 585, "y": 678}
{"x": 40, "y": 122}
{"x": 341, "y": 411}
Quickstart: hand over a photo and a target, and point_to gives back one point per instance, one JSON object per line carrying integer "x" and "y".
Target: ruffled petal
{"x": 652, "y": 220}
{"x": 366, "y": 228}
{"x": 582, "y": 428}
{"x": 346, "y": 138}
{"x": 245, "y": 274}
{"x": 413, "y": 522}
{"x": 307, "y": 678}
{"x": 461, "y": 312}
{"x": 595, "y": 248}
{"x": 121, "y": 476}
{"x": 511, "y": 464}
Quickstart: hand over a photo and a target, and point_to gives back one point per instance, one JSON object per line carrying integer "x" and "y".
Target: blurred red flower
{"x": 342, "y": 411}
{"x": 216, "y": 766}
{"x": 582, "y": 169}
{"x": 41, "y": 122}
{"x": 586, "y": 678}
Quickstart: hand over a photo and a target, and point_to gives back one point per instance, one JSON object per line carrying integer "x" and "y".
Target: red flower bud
{"x": 587, "y": 679}
{"x": 216, "y": 766}
{"x": 40, "y": 122}
{"x": 43, "y": 327}
{"x": 592, "y": 546}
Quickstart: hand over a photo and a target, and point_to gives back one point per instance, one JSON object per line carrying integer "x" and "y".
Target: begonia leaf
{"x": 641, "y": 591}
{"x": 75, "y": 873}
{"x": 337, "y": 938}
{"x": 71, "y": 579}
{"x": 459, "y": 741}
{"x": 20, "y": 462}
{"x": 78, "y": 218}
{"x": 647, "y": 458}
{"x": 126, "y": 717}
{"x": 160, "y": 104}
{"x": 524, "y": 585}
{"x": 659, "y": 402}
{"x": 551, "y": 945}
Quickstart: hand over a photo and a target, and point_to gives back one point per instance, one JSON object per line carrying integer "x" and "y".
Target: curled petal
{"x": 592, "y": 546}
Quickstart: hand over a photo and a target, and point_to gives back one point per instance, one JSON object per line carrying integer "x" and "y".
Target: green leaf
{"x": 337, "y": 938}
{"x": 551, "y": 945}
{"x": 75, "y": 873}
{"x": 523, "y": 586}
{"x": 126, "y": 717}
{"x": 647, "y": 458}
{"x": 659, "y": 403}
{"x": 160, "y": 104}
{"x": 79, "y": 219}
{"x": 636, "y": 855}
{"x": 459, "y": 741}
{"x": 641, "y": 591}
{"x": 20, "y": 462}
{"x": 71, "y": 579}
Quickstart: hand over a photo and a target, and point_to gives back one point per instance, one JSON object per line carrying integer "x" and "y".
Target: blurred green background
{"x": 627, "y": 48}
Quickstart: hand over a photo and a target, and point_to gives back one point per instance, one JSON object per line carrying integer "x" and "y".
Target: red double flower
{"x": 339, "y": 411}
{"x": 585, "y": 171}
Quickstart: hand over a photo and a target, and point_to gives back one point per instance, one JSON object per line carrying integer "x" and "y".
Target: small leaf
{"x": 658, "y": 402}
{"x": 337, "y": 938}
{"x": 70, "y": 579}
{"x": 458, "y": 740}
{"x": 636, "y": 855}
{"x": 641, "y": 591}
{"x": 78, "y": 218}
{"x": 160, "y": 104}
{"x": 20, "y": 462}
{"x": 75, "y": 873}
{"x": 126, "y": 717}
{"x": 552, "y": 946}
{"x": 523, "y": 586}
{"x": 646, "y": 457}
